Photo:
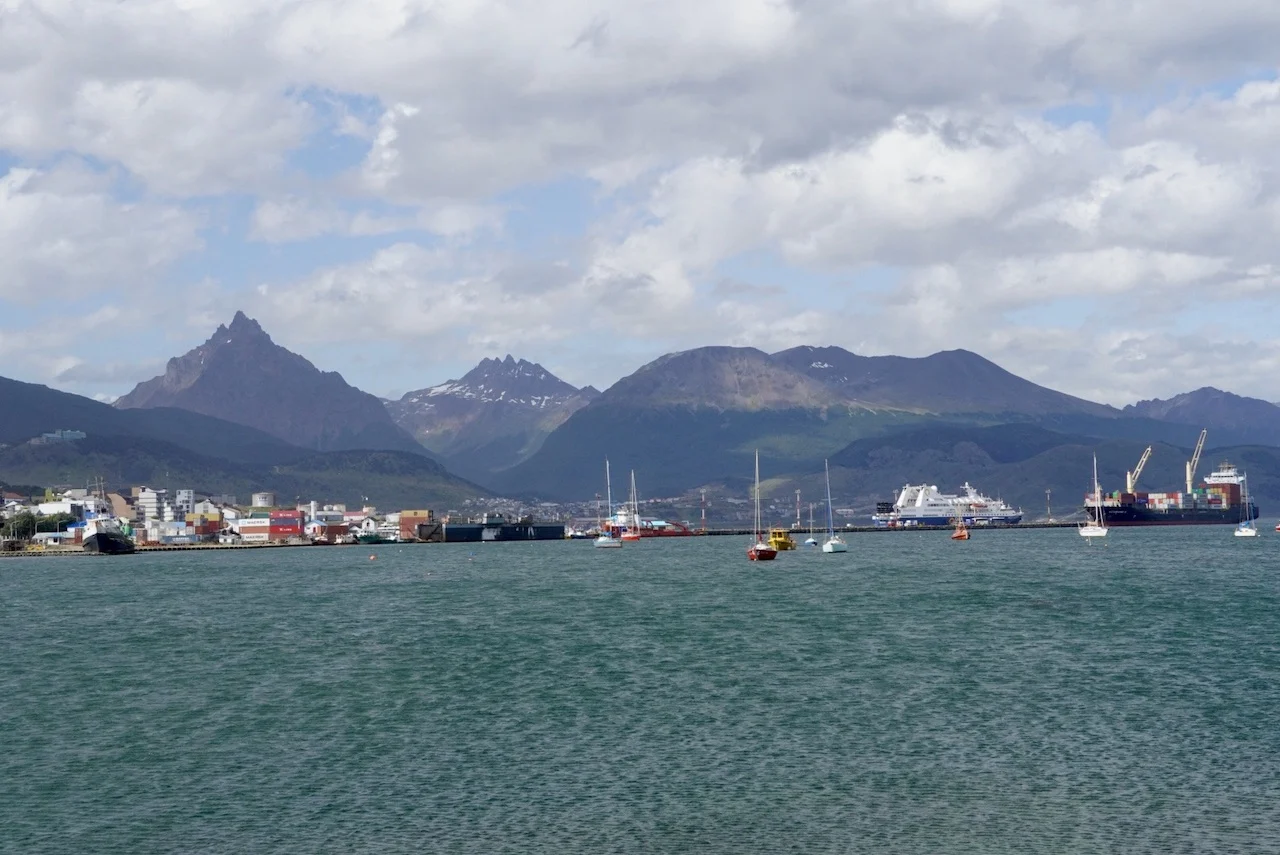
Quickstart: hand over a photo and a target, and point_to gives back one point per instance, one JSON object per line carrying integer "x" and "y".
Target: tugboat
{"x": 780, "y": 539}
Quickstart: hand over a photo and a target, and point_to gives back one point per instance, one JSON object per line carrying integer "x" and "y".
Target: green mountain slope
{"x": 28, "y": 410}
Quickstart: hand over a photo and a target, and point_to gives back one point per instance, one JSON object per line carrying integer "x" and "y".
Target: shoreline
{"x": 63, "y": 551}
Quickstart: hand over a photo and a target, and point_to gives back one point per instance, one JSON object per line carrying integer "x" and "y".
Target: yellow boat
{"x": 780, "y": 539}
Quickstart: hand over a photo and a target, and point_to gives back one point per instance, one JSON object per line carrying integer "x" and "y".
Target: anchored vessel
{"x": 924, "y": 504}
{"x": 106, "y": 535}
{"x": 1218, "y": 500}
{"x": 491, "y": 527}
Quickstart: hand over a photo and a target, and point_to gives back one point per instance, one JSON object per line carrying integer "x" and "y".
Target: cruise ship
{"x": 924, "y": 504}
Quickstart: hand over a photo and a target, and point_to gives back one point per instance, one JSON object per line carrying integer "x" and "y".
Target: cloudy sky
{"x": 1086, "y": 192}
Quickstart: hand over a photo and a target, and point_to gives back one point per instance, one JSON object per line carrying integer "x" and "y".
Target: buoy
{"x": 372, "y": 557}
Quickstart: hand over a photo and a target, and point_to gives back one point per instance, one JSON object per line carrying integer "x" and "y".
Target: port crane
{"x": 1131, "y": 478}
{"x": 1195, "y": 460}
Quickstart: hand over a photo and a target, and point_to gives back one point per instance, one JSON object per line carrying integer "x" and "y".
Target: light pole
{"x": 1048, "y": 508}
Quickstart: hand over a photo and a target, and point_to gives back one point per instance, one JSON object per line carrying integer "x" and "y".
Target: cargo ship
{"x": 106, "y": 535}
{"x": 925, "y": 505}
{"x": 496, "y": 527}
{"x": 1217, "y": 501}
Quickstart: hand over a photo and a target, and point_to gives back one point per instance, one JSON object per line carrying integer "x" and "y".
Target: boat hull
{"x": 901, "y": 521}
{"x": 761, "y": 553}
{"x": 1130, "y": 515}
{"x": 109, "y": 543}
{"x": 482, "y": 532}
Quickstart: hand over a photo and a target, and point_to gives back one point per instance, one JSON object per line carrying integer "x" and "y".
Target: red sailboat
{"x": 760, "y": 550}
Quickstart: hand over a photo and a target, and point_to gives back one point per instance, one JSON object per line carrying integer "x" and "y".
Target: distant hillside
{"x": 719, "y": 378}
{"x": 696, "y": 416}
{"x": 30, "y": 410}
{"x": 1228, "y": 417}
{"x": 242, "y": 376}
{"x": 953, "y": 381}
{"x": 495, "y": 416}
{"x": 674, "y": 449}
{"x": 390, "y": 479}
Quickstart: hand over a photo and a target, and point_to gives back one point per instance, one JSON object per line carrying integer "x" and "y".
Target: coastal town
{"x": 57, "y": 518}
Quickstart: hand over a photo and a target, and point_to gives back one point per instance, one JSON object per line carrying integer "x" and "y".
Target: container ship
{"x": 924, "y": 504}
{"x": 1217, "y": 501}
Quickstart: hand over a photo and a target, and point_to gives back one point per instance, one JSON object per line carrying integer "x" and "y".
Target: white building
{"x": 153, "y": 505}
{"x": 184, "y": 502}
{"x": 263, "y": 500}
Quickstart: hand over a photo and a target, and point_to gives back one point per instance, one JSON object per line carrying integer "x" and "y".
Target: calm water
{"x": 1021, "y": 692}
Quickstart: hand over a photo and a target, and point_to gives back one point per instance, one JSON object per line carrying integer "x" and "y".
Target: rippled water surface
{"x": 1022, "y": 692}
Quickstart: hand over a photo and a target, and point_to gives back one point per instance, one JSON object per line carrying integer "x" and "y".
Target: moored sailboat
{"x": 1247, "y": 527}
{"x": 760, "y": 550}
{"x": 606, "y": 540}
{"x": 834, "y": 542}
{"x": 811, "y": 540}
{"x": 1097, "y": 526}
{"x": 632, "y": 529}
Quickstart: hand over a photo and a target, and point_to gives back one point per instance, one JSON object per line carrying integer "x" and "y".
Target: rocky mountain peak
{"x": 493, "y": 416}
{"x": 516, "y": 381}
{"x": 241, "y": 375}
{"x": 243, "y": 326}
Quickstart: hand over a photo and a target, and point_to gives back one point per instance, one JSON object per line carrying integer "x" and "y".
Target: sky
{"x": 1086, "y": 193}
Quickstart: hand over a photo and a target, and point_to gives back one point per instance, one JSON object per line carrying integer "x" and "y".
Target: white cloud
{"x": 292, "y": 218}
{"x": 833, "y": 139}
{"x": 62, "y": 233}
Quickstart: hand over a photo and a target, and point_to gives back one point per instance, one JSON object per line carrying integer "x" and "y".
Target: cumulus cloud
{"x": 913, "y": 154}
{"x": 63, "y": 233}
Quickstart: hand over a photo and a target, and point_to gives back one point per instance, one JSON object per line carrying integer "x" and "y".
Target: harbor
{"x": 73, "y": 550}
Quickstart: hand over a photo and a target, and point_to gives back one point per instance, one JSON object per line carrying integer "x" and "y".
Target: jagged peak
{"x": 242, "y": 323}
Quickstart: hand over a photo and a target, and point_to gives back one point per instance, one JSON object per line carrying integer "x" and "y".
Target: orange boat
{"x": 961, "y": 532}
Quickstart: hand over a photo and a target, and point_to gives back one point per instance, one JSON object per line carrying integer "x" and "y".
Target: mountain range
{"x": 240, "y": 410}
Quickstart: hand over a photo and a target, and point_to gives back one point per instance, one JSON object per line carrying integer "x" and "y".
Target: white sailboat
{"x": 834, "y": 542}
{"x": 1247, "y": 526}
{"x": 1096, "y": 527}
{"x": 811, "y": 540}
{"x": 606, "y": 540}
{"x": 632, "y": 530}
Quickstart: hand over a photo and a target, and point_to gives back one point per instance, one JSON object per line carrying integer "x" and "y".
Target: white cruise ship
{"x": 924, "y": 504}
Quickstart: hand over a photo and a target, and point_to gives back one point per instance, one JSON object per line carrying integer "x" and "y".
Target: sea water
{"x": 1024, "y": 691}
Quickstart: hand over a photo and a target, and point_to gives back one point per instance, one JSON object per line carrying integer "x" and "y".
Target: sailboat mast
{"x": 608, "y": 489}
{"x": 831, "y": 521}
{"x": 757, "y": 523}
